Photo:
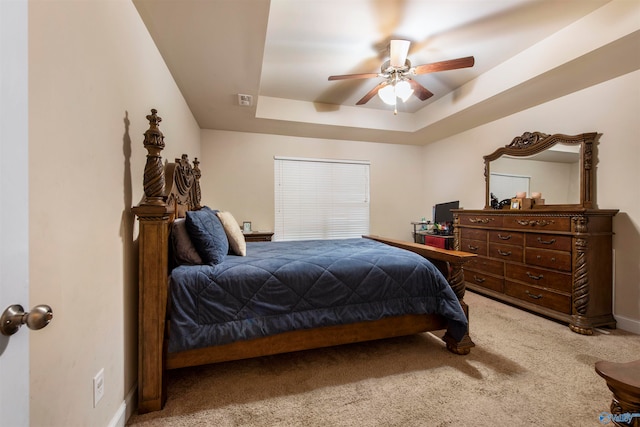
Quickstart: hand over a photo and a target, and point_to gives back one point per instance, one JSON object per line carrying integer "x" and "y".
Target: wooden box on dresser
{"x": 554, "y": 262}
{"x": 555, "y": 257}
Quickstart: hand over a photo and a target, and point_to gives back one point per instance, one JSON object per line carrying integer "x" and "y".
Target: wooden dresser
{"x": 557, "y": 263}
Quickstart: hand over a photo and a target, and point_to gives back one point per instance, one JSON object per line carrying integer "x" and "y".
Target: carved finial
{"x": 154, "y": 119}
{"x": 196, "y": 195}
{"x": 153, "y": 136}
{"x": 196, "y": 168}
{"x": 154, "y": 169}
{"x": 527, "y": 139}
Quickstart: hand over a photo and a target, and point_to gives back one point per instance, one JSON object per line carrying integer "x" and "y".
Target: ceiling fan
{"x": 397, "y": 72}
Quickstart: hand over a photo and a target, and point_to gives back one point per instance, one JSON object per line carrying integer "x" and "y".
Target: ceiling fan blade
{"x": 371, "y": 93}
{"x": 451, "y": 64}
{"x": 420, "y": 91}
{"x": 354, "y": 76}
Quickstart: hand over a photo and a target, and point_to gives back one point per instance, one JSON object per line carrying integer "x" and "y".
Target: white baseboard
{"x": 627, "y": 324}
{"x": 119, "y": 419}
{"x": 125, "y": 410}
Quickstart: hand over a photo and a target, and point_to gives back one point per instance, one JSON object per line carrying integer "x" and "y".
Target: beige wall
{"x": 610, "y": 108}
{"x": 94, "y": 74}
{"x": 238, "y": 176}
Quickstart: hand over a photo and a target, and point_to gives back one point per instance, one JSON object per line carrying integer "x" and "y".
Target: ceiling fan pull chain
{"x": 395, "y": 95}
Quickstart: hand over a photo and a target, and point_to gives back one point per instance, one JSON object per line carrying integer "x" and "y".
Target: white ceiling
{"x": 282, "y": 51}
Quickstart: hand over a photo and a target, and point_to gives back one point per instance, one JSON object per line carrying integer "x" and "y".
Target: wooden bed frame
{"x": 172, "y": 189}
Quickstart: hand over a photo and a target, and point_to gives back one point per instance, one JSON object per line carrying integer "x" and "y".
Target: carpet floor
{"x": 524, "y": 371}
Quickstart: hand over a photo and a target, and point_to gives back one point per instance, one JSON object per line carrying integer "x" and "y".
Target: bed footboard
{"x": 450, "y": 264}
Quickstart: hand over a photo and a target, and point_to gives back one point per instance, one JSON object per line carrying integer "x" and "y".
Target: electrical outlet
{"x": 98, "y": 387}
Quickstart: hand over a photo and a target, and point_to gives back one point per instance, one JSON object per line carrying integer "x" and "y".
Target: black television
{"x": 442, "y": 212}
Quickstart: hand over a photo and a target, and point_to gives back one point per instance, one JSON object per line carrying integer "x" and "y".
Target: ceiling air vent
{"x": 245, "y": 100}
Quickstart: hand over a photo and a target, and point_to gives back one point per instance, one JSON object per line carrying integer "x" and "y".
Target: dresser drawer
{"x": 484, "y": 280}
{"x": 481, "y": 220}
{"x": 549, "y": 241}
{"x": 473, "y": 233}
{"x": 505, "y": 252}
{"x": 539, "y": 277}
{"x": 541, "y": 223}
{"x": 509, "y": 237}
{"x": 541, "y": 297}
{"x": 550, "y": 259}
{"x": 474, "y": 246}
{"x": 487, "y": 265}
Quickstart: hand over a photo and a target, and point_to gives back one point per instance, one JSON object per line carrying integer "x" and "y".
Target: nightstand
{"x": 258, "y": 236}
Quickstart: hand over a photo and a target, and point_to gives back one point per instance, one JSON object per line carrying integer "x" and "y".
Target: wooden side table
{"x": 258, "y": 236}
{"x": 623, "y": 379}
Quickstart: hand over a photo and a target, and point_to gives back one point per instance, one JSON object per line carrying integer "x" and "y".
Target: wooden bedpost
{"x": 196, "y": 194}
{"x": 154, "y": 215}
{"x": 456, "y": 280}
{"x": 154, "y": 170}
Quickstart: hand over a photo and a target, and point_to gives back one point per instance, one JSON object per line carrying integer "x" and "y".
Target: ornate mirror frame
{"x": 531, "y": 143}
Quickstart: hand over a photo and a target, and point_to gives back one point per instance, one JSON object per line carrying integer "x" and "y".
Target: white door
{"x": 14, "y": 208}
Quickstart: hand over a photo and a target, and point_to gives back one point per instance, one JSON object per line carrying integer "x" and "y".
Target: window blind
{"x": 320, "y": 199}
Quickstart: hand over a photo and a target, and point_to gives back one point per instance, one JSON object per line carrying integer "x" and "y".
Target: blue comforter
{"x": 284, "y": 286}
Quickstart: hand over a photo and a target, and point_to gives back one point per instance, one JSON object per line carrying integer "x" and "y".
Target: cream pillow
{"x": 234, "y": 234}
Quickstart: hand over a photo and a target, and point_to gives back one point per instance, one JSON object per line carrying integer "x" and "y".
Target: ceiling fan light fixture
{"x": 398, "y": 52}
{"x": 388, "y": 95}
{"x": 403, "y": 90}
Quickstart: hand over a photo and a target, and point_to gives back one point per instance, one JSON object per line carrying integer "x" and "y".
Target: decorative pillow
{"x": 208, "y": 236}
{"x": 236, "y": 239}
{"x": 183, "y": 250}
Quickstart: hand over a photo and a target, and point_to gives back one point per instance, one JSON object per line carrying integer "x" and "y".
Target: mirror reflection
{"x": 555, "y": 173}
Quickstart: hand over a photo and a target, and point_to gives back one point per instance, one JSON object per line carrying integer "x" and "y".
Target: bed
{"x": 207, "y": 296}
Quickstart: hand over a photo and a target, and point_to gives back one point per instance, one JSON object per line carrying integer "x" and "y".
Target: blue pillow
{"x": 208, "y": 235}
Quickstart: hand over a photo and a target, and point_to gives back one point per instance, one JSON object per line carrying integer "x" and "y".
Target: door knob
{"x": 14, "y": 317}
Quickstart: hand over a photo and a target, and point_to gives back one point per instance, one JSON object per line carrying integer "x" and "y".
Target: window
{"x": 320, "y": 199}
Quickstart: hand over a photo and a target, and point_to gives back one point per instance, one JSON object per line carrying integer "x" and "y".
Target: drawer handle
{"x": 478, "y": 279}
{"x": 480, "y": 220}
{"x": 532, "y": 223}
{"x": 532, "y": 295}
{"x": 504, "y": 253}
{"x": 531, "y": 276}
{"x": 501, "y": 237}
{"x": 473, "y": 248}
{"x": 546, "y": 242}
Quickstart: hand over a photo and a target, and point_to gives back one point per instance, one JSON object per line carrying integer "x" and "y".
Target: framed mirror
{"x": 559, "y": 168}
